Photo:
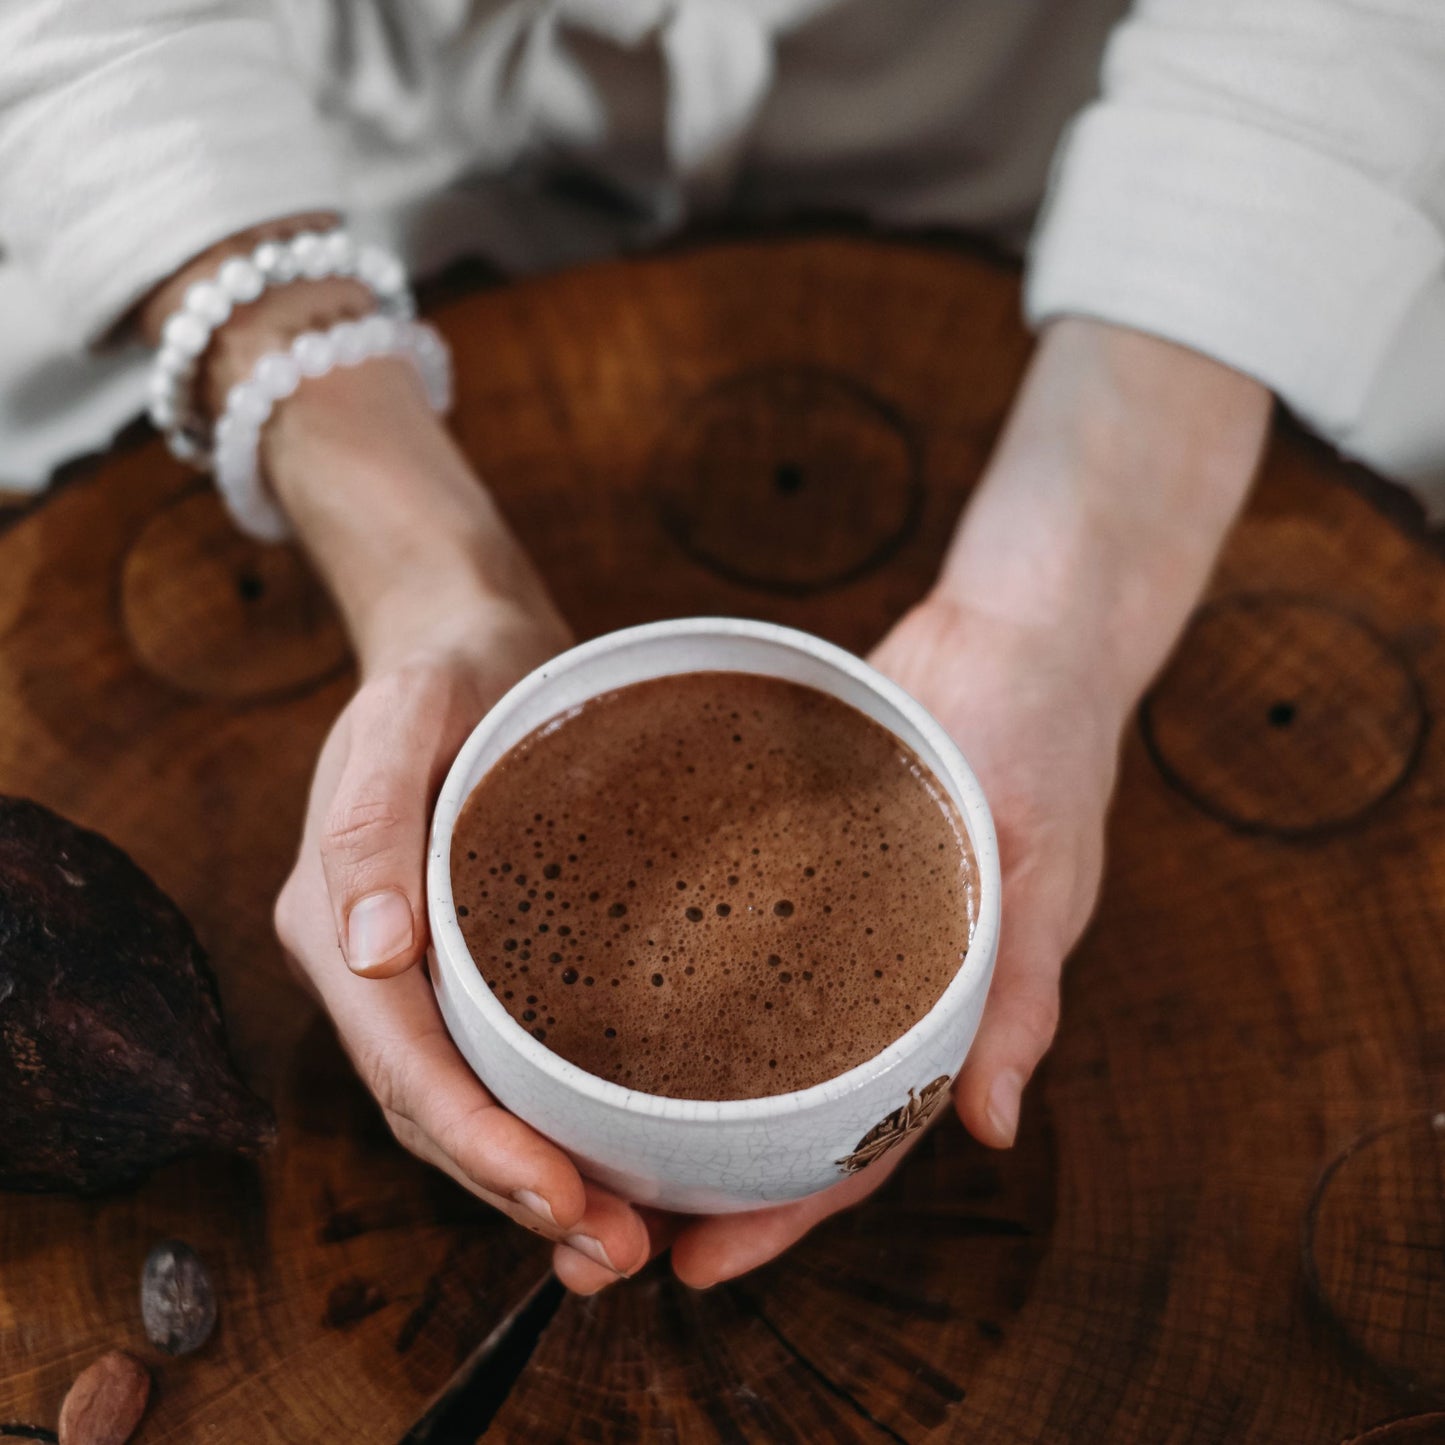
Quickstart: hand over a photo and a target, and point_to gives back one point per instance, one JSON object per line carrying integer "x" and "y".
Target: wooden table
{"x": 1223, "y": 1221}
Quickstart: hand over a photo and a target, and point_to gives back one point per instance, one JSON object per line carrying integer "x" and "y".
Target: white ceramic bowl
{"x": 686, "y": 1154}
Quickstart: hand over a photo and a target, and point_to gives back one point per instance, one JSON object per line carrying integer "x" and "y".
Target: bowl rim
{"x": 450, "y": 952}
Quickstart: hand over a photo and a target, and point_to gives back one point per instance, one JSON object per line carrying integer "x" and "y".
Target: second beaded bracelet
{"x": 249, "y": 403}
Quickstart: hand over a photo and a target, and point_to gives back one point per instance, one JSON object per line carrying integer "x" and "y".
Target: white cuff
{"x": 1256, "y": 250}
{"x": 115, "y": 181}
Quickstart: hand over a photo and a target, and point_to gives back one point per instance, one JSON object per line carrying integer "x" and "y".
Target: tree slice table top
{"x": 1225, "y": 1216}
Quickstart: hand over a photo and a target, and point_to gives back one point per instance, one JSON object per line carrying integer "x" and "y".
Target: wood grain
{"x": 1207, "y": 1231}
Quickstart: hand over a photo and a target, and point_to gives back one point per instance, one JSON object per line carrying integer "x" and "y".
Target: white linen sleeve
{"x": 135, "y": 133}
{"x": 1265, "y": 183}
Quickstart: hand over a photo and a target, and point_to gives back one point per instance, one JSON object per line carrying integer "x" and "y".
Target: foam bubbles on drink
{"x": 763, "y": 885}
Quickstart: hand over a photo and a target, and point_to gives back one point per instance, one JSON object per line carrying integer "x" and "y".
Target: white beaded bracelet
{"x": 207, "y": 306}
{"x": 277, "y": 375}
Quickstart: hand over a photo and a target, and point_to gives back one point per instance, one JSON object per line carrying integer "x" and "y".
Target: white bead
{"x": 235, "y": 460}
{"x": 277, "y": 375}
{"x": 241, "y": 279}
{"x": 208, "y": 302}
{"x": 229, "y": 444}
{"x": 391, "y": 279}
{"x": 368, "y": 258}
{"x": 266, "y": 257}
{"x": 377, "y": 334}
{"x": 346, "y": 338}
{"x": 309, "y": 251}
{"x": 381, "y": 271}
{"x": 175, "y": 362}
{"x": 186, "y": 334}
{"x": 246, "y": 402}
{"x": 283, "y": 268}
{"x": 314, "y": 353}
{"x": 340, "y": 253}
{"x": 236, "y": 449}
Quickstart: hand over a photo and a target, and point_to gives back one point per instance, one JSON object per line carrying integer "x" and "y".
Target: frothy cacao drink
{"x": 714, "y": 886}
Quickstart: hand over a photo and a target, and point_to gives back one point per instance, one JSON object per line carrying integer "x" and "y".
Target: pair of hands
{"x": 357, "y": 897}
{"x": 1086, "y": 544}
{"x": 1088, "y": 541}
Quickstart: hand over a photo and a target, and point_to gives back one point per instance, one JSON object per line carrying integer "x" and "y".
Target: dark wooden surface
{"x": 1225, "y": 1217}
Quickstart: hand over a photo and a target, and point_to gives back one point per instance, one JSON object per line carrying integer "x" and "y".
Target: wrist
{"x": 407, "y": 539}
{"x": 1122, "y": 467}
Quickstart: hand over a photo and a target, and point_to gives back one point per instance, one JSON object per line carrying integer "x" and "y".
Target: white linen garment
{"x": 1262, "y": 180}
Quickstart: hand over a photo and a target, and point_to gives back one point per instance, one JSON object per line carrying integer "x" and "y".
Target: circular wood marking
{"x": 1284, "y": 715}
{"x": 1374, "y": 1250}
{"x": 219, "y": 615}
{"x": 789, "y": 479}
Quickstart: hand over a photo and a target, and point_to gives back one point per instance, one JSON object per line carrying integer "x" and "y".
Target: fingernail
{"x": 378, "y": 927}
{"x": 530, "y": 1199}
{"x": 592, "y": 1248}
{"x": 1003, "y": 1105}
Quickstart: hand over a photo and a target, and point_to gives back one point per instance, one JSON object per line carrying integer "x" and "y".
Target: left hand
{"x": 1042, "y": 737}
{"x": 1085, "y": 546}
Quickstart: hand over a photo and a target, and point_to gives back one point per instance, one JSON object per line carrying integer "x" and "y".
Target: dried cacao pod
{"x": 112, "y": 1054}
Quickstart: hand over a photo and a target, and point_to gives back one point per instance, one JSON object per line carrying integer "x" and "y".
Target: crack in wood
{"x": 478, "y": 1390}
{"x": 871, "y": 1293}
{"x": 350, "y": 1302}
{"x": 839, "y": 1392}
{"x": 415, "y": 1322}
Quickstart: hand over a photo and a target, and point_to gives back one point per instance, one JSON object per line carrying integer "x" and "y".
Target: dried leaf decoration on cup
{"x": 909, "y": 1118}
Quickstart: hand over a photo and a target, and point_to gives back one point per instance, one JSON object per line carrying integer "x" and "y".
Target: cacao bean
{"x": 106, "y": 1402}
{"x": 177, "y": 1302}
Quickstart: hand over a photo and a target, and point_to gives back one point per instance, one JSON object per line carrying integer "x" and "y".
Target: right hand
{"x": 353, "y": 918}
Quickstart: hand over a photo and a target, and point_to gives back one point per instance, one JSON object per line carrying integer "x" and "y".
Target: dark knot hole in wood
{"x": 250, "y": 586}
{"x": 788, "y": 478}
{"x": 1281, "y": 714}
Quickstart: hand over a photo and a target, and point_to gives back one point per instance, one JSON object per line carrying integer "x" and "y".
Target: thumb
{"x": 373, "y": 840}
{"x": 1019, "y": 1021}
